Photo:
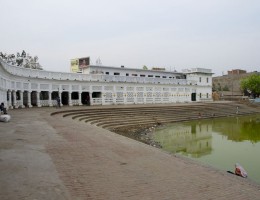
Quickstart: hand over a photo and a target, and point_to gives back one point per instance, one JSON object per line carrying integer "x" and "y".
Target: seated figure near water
{"x": 240, "y": 171}
{"x": 3, "y": 109}
{"x": 4, "y": 117}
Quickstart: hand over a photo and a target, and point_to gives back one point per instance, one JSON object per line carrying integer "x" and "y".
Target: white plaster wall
{"x": 130, "y": 72}
{"x": 35, "y": 80}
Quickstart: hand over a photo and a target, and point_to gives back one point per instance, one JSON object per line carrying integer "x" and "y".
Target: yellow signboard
{"x": 74, "y": 65}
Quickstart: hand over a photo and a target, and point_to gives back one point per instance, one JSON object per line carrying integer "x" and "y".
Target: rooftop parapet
{"x": 42, "y": 74}
{"x": 197, "y": 70}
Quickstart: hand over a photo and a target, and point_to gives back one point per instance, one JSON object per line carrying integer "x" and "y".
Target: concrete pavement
{"x": 50, "y": 157}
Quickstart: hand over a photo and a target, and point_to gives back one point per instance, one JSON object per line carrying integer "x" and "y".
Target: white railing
{"x": 34, "y": 73}
{"x": 44, "y": 103}
{"x": 18, "y": 103}
{"x": 96, "y": 101}
{"x": 201, "y": 70}
{"x": 140, "y": 100}
{"x": 54, "y": 102}
{"x": 108, "y": 101}
{"x": 120, "y": 100}
{"x": 75, "y": 102}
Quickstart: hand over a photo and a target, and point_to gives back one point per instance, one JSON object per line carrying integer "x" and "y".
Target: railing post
{"x": 21, "y": 100}
{"x": 38, "y": 99}
{"x": 14, "y": 96}
{"x": 70, "y": 102}
{"x": 50, "y": 100}
{"x": 80, "y": 103}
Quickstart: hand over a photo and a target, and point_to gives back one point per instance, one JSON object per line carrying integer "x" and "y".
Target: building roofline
{"x": 124, "y": 68}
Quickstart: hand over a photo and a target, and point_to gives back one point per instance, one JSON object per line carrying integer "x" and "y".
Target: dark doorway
{"x": 65, "y": 98}
{"x": 85, "y": 99}
{"x": 96, "y": 95}
{"x": 193, "y": 96}
{"x": 34, "y": 98}
{"x": 25, "y": 98}
{"x": 74, "y": 95}
{"x": 54, "y": 95}
{"x": 44, "y": 95}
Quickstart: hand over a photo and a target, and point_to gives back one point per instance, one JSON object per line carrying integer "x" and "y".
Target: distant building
{"x": 77, "y": 64}
{"x": 101, "y": 85}
{"x": 236, "y": 72}
{"x": 132, "y": 72}
{"x": 228, "y": 86}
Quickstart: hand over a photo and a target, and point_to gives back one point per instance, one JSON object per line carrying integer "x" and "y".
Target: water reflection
{"x": 194, "y": 139}
{"x": 218, "y": 142}
{"x": 239, "y": 129}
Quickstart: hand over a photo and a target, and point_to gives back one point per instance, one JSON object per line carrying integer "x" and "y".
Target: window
{"x": 116, "y": 73}
{"x": 200, "y": 79}
{"x": 207, "y": 79}
{"x": 127, "y": 74}
{"x": 200, "y": 95}
{"x": 142, "y": 75}
{"x": 134, "y": 74}
{"x": 157, "y": 77}
{"x": 164, "y": 76}
{"x": 150, "y": 75}
{"x": 107, "y": 73}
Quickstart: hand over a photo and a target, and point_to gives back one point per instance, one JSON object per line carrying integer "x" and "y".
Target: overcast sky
{"x": 175, "y": 34}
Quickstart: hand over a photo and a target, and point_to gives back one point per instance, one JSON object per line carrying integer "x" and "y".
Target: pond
{"x": 219, "y": 142}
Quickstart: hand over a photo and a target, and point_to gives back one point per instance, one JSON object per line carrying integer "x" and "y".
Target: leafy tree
{"x": 214, "y": 87}
{"x": 251, "y": 84}
{"x": 219, "y": 87}
{"x": 145, "y": 67}
{"x": 225, "y": 88}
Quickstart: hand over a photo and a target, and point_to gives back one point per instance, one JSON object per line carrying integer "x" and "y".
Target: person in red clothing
{"x": 240, "y": 171}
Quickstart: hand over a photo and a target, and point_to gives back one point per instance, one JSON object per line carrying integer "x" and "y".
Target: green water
{"x": 217, "y": 142}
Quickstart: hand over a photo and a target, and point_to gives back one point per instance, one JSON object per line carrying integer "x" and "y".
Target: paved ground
{"x": 49, "y": 157}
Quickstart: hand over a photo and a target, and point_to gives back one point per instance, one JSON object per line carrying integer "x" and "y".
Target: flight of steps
{"x": 114, "y": 118}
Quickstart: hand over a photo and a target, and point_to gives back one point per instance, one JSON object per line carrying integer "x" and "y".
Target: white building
{"x": 101, "y": 85}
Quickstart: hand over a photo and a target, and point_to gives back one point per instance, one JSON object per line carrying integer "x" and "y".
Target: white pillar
{"x": 60, "y": 98}
{"x": 114, "y": 97}
{"x": 50, "y": 100}
{"x": 135, "y": 96}
{"x": 70, "y": 101}
{"x": 29, "y": 99}
{"x": 103, "y": 97}
{"x": 15, "y": 102}
{"x": 38, "y": 99}
{"x": 21, "y": 100}
{"x": 10, "y": 99}
{"x": 90, "y": 99}
{"x": 124, "y": 95}
{"x": 80, "y": 103}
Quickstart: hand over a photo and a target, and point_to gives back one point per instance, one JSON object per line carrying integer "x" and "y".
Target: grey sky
{"x": 216, "y": 34}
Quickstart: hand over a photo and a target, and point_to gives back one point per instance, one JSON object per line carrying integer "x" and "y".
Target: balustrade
{"x": 75, "y": 102}
{"x": 96, "y": 101}
{"x": 159, "y": 90}
{"x": 44, "y": 103}
{"x": 33, "y": 73}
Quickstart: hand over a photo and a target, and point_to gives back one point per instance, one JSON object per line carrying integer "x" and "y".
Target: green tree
{"x": 225, "y": 88}
{"x": 145, "y": 67}
{"x": 219, "y": 87}
{"x": 214, "y": 87}
{"x": 251, "y": 84}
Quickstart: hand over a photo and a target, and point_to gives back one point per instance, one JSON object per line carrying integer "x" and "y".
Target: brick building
{"x": 228, "y": 86}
